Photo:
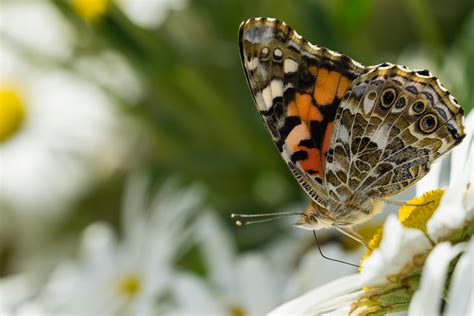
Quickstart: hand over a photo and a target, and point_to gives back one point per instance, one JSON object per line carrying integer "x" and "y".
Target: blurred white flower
{"x": 390, "y": 279}
{"x": 238, "y": 285}
{"x": 37, "y": 26}
{"x": 313, "y": 270}
{"x": 131, "y": 274}
{"x": 57, "y": 134}
{"x": 149, "y": 13}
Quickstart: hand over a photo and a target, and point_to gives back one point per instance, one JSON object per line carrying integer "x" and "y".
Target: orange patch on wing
{"x": 342, "y": 87}
{"x": 292, "y": 110}
{"x": 327, "y": 140}
{"x": 326, "y": 86}
{"x": 313, "y": 162}
{"x": 303, "y": 102}
{"x": 307, "y": 111}
{"x": 313, "y": 70}
{"x": 314, "y": 114}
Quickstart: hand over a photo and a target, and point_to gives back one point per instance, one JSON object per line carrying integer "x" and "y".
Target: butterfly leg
{"x": 401, "y": 203}
{"x": 352, "y": 234}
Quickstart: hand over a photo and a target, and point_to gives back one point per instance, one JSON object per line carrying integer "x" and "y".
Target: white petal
{"x": 218, "y": 250}
{"x": 431, "y": 180}
{"x": 427, "y": 299}
{"x": 193, "y": 296}
{"x": 459, "y": 155}
{"x": 306, "y": 278}
{"x": 257, "y": 291}
{"x": 98, "y": 241}
{"x": 398, "y": 246}
{"x": 461, "y": 292}
{"x": 41, "y": 30}
{"x": 311, "y": 300}
{"x": 456, "y": 206}
{"x": 150, "y": 13}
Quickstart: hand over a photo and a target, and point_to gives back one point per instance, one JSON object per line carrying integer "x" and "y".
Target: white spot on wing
{"x": 368, "y": 104}
{"x": 289, "y": 65}
{"x": 276, "y": 87}
{"x": 260, "y": 102}
{"x": 380, "y": 137}
{"x": 277, "y": 53}
{"x": 252, "y": 64}
{"x": 267, "y": 97}
{"x": 343, "y": 133}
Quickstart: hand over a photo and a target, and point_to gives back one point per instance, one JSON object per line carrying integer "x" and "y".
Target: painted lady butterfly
{"x": 353, "y": 136}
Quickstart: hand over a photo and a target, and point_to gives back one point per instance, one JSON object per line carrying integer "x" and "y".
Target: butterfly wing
{"x": 297, "y": 88}
{"x": 391, "y": 125}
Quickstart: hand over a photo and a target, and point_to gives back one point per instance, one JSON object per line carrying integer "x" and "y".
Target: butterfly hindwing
{"x": 297, "y": 88}
{"x": 392, "y": 124}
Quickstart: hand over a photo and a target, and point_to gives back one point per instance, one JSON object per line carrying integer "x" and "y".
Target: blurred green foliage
{"x": 197, "y": 108}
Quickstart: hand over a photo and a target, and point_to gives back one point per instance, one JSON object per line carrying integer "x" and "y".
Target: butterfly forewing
{"x": 297, "y": 88}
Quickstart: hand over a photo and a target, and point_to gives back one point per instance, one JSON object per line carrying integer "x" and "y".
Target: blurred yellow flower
{"x": 130, "y": 285}
{"x": 90, "y": 10}
{"x": 12, "y": 112}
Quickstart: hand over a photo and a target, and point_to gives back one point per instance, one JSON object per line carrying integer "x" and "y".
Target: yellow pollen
{"x": 12, "y": 112}
{"x": 130, "y": 285}
{"x": 90, "y": 10}
{"x": 418, "y": 216}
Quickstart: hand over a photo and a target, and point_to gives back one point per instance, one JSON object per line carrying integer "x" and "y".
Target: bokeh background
{"x": 124, "y": 109}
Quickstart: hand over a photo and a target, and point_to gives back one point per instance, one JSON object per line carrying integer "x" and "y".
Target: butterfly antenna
{"x": 331, "y": 259}
{"x": 247, "y": 219}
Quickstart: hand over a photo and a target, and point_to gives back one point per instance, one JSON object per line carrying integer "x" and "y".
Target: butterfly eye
{"x": 428, "y": 123}
{"x": 313, "y": 219}
{"x": 264, "y": 53}
{"x": 418, "y": 107}
{"x": 277, "y": 54}
{"x": 401, "y": 102}
{"x": 388, "y": 96}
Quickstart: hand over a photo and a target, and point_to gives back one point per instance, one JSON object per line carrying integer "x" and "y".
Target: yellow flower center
{"x": 90, "y": 10}
{"x": 12, "y": 112}
{"x": 414, "y": 216}
{"x": 130, "y": 285}
{"x": 418, "y": 216}
{"x": 237, "y": 311}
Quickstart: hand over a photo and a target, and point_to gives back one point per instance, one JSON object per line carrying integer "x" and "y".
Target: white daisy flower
{"x": 129, "y": 275}
{"x": 413, "y": 257}
{"x": 239, "y": 285}
{"x": 57, "y": 133}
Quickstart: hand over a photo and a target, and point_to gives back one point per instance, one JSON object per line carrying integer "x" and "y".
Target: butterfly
{"x": 353, "y": 136}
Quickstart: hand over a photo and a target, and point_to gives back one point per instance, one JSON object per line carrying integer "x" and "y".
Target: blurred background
{"x": 128, "y": 136}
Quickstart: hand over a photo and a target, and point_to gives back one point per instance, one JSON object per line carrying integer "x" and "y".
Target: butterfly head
{"x": 313, "y": 218}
